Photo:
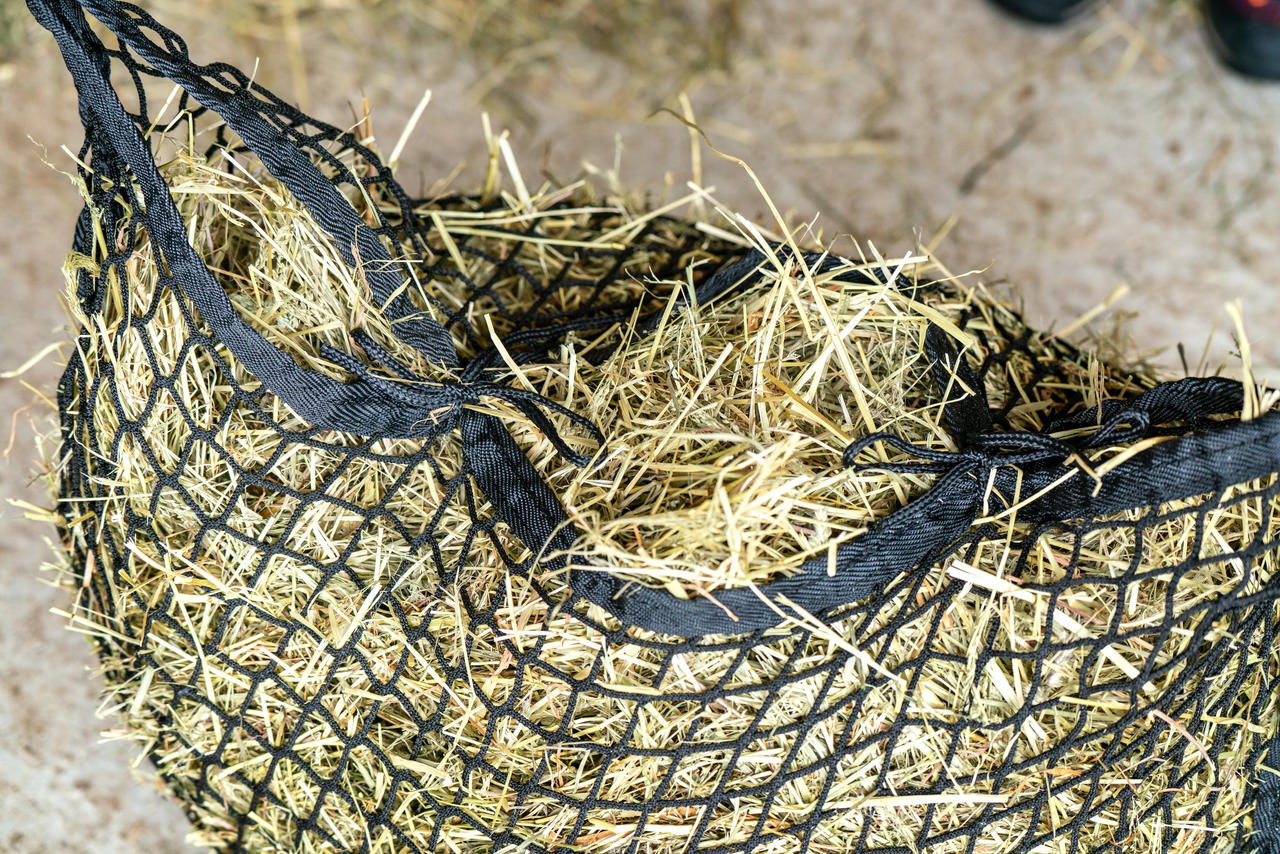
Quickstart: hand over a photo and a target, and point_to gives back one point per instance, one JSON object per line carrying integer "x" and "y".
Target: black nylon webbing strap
{"x": 930, "y": 525}
{"x": 296, "y": 171}
{"x": 362, "y": 406}
{"x": 370, "y": 405}
{"x": 1209, "y": 461}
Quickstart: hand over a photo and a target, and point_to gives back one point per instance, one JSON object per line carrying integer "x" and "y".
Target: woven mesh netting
{"x": 331, "y": 641}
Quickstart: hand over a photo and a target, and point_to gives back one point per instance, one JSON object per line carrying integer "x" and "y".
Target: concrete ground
{"x": 1110, "y": 152}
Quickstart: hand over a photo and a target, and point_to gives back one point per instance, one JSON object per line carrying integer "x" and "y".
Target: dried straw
{"x": 721, "y": 469}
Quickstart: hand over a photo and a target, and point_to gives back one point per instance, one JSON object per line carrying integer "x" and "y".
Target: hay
{"x": 721, "y": 468}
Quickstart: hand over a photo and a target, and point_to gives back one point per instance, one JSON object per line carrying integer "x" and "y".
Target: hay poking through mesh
{"x": 327, "y": 642}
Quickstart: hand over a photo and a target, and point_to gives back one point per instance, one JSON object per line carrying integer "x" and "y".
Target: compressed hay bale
{"x": 328, "y": 641}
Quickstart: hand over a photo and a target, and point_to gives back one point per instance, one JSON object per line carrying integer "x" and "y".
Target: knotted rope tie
{"x": 984, "y": 451}
{"x": 967, "y": 471}
{"x": 992, "y": 450}
{"x": 441, "y": 403}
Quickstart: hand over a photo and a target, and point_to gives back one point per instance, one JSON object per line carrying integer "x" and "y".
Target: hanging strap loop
{"x": 407, "y": 406}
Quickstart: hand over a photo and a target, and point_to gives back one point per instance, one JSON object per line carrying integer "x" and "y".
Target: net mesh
{"x": 1112, "y": 694}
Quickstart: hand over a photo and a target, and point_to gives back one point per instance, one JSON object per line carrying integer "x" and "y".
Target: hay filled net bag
{"x": 544, "y": 522}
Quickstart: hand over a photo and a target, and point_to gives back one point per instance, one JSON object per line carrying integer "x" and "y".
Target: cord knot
{"x": 436, "y": 407}
{"x": 985, "y": 452}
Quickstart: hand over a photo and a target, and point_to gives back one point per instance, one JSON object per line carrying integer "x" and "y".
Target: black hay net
{"x": 469, "y": 697}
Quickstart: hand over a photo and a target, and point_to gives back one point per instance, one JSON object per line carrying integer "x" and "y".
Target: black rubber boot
{"x": 1045, "y": 11}
{"x": 1246, "y": 34}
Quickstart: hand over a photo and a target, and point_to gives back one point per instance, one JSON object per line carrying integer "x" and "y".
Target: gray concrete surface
{"x": 1077, "y": 159}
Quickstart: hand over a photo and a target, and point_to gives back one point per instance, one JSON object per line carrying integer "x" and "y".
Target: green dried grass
{"x": 721, "y": 469}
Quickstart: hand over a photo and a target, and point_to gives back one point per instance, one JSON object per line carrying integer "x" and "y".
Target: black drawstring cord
{"x": 1188, "y": 400}
{"x": 986, "y": 450}
{"x": 991, "y": 450}
{"x": 443, "y": 401}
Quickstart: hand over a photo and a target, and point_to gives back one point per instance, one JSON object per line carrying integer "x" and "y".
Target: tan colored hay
{"x": 724, "y": 436}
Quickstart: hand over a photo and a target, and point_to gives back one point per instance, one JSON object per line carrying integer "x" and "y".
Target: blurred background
{"x": 1070, "y": 161}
